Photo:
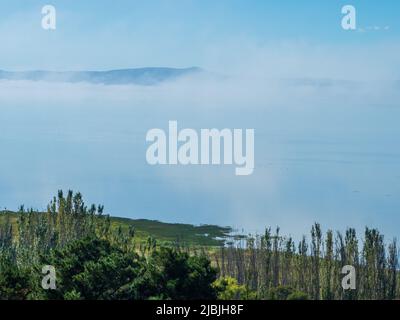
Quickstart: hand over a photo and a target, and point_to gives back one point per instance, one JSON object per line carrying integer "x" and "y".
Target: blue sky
{"x": 125, "y": 33}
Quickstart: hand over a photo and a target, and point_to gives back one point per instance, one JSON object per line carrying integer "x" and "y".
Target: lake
{"x": 328, "y": 154}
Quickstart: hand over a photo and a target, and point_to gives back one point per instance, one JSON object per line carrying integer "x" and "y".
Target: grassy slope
{"x": 203, "y": 235}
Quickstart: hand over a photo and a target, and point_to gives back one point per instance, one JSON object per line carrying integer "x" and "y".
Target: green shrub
{"x": 229, "y": 289}
{"x": 286, "y": 293}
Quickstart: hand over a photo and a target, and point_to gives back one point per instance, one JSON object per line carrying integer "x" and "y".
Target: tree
{"x": 316, "y": 235}
{"x": 229, "y": 289}
{"x": 18, "y": 283}
{"x": 94, "y": 269}
{"x": 327, "y": 291}
{"x": 179, "y": 276}
{"x": 392, "y": 270}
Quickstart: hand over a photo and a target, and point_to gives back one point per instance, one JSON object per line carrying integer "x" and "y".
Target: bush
{"x": 298, "y": 295}
{"x": 178, "y": 276}
{"x": 17, "y": 283}
{"x": 94, "y": 269}
{"x": 286, "y": 293}
{"x": 229, "y": 289}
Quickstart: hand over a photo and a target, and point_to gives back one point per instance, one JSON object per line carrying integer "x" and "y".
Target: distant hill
{"x": 139, "y": 76}
{"x": 187, "y": 234}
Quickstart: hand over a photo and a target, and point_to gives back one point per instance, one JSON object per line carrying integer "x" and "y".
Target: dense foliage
{"x": 274, "y": 267}
{"x": 94, "y": 259}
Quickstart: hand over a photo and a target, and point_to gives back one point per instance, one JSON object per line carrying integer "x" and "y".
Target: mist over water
{"x": 325, "y": 151}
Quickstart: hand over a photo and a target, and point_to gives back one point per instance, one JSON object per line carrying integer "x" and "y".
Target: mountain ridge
{"x": 138, "y": 76}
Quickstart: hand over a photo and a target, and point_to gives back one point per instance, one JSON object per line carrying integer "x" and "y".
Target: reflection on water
{"x": 316, "y": 160}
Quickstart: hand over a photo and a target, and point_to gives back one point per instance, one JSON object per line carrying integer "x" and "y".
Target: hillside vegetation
{"x": 96, "y": 256}
{"x": 165, "y": 233}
